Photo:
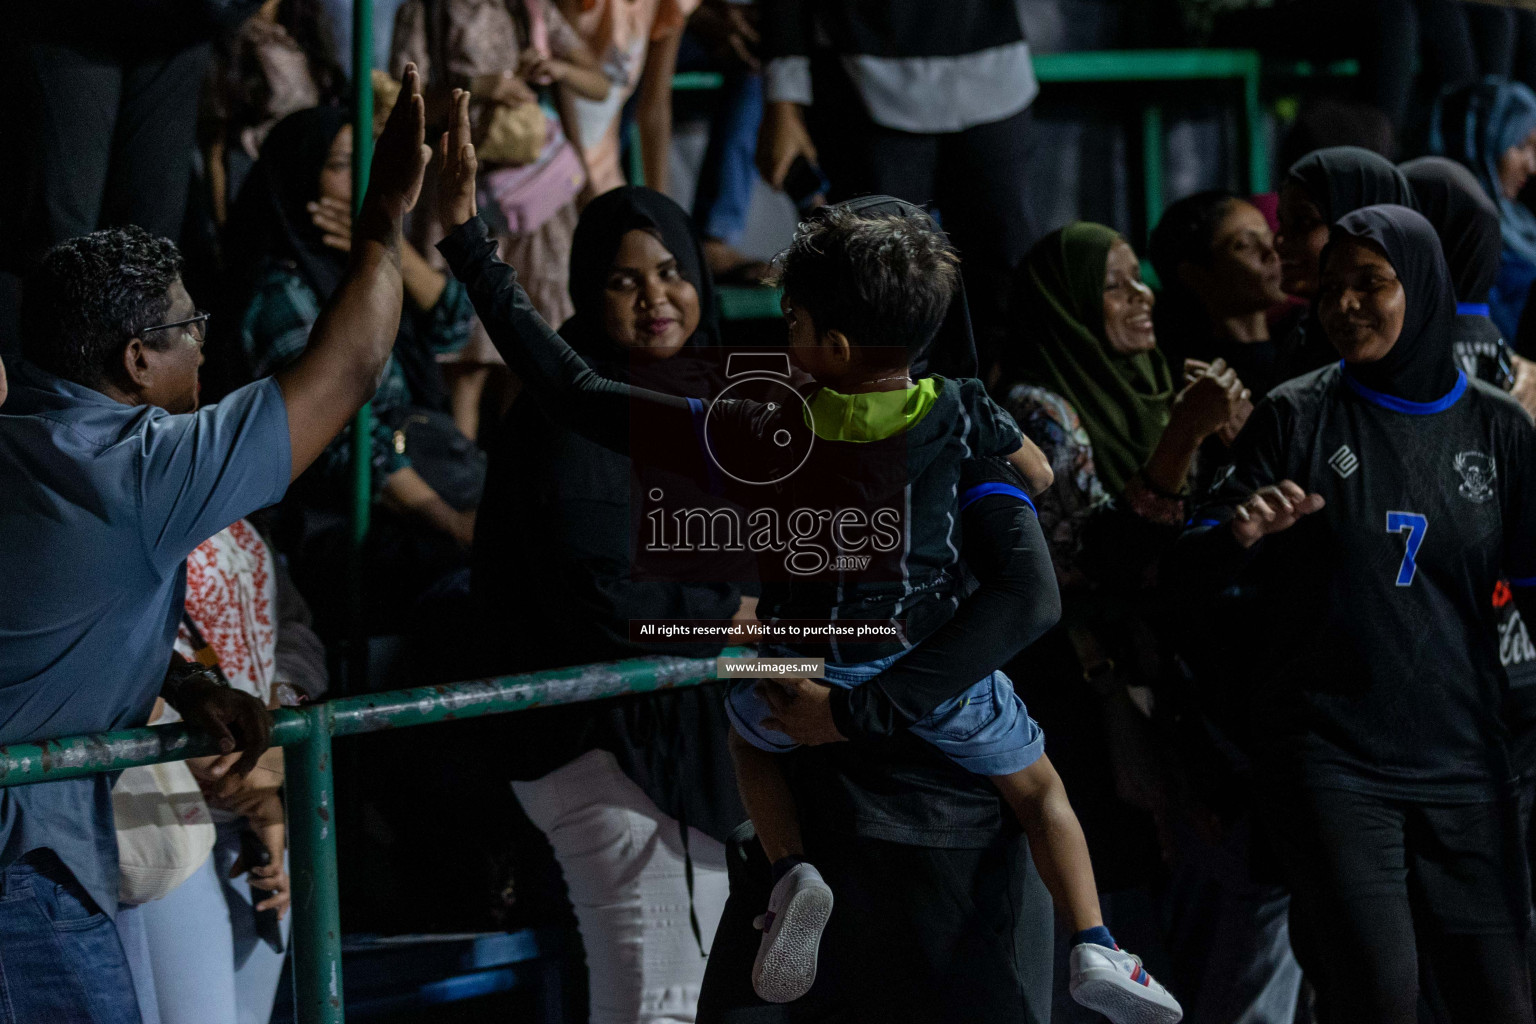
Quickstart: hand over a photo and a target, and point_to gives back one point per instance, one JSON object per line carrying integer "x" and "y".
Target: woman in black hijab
{"x": 289, "y": 235}
{"x": 1318, "y": 189}
{"x": 1372, "y": 506}
{"x": 1450, "y": 198}
{"x": 555, "y": 581}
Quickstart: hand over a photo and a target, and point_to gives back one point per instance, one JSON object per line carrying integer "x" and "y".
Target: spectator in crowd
{"x": 564, "y": 511}
{"x": 113, "y": 477}
{"x": 1318, "y": 189}
{"x": 102, "y": 116}
{"x": 204, "y": 959}
{"x": 519, "y": 59}
{"x": 1467, "y": 223}
{"x": 926, "y": 102}
{"x": 1215, "y": 257}
{"x": 1090, "y": 345}
{"x": 636, "y": 42}
{"x": 281, "y": 61}
{"x": 1087, "y": 382}
{"x": 291, "y": 233}
{"x": 1490, "y": 128}
{"x": 1383, "y": 766}
{"x": 722, "y": 37}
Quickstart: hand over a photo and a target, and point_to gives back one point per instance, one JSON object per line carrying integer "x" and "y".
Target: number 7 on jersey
{"x": 1416, "y": 525}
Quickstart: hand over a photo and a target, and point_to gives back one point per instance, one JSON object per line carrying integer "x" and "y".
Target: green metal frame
{"x": 311, "y": 799}
{"x": 356, "y": 660}
{"x": 1087, "y": 67}
{"x": 1171, "y": 66}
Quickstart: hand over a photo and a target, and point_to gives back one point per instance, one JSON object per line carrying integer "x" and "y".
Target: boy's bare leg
{"x": 800, "y": 903}
{"x": 769, "y": 803}
{"x": 1039, "y": 801}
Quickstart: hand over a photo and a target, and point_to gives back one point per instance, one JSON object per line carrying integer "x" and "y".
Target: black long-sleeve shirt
{"x": 1015, "y": 604}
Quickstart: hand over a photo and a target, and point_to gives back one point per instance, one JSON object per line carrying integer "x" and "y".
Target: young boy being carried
{"x": 862, "y": 296}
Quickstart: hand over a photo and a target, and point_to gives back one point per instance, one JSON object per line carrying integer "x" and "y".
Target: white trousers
{"x": 623, "y": 864}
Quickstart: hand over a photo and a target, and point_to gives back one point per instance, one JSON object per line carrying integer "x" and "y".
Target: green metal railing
{"x": 1105, "y": 66}
{"x": 311, "y": 799}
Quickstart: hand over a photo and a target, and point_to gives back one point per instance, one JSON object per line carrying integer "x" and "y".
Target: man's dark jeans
{"x": 60, "y": 958}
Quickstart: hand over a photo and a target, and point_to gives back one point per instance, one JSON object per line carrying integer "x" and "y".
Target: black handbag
{"x": 450, "y": 463}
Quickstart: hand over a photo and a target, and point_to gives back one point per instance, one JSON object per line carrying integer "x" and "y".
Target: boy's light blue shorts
{"x": 986, "y": 730}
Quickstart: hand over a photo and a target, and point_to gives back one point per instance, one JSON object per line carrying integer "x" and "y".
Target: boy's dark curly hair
{"x": 90, "y": 295}
{"x": 884, "y": 282}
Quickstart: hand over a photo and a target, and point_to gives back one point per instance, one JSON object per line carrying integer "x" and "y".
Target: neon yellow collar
{"x": 869, "y": 415}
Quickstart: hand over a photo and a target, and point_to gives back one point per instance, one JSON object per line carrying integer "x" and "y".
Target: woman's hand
{"x": 536, "y": 69}
{"x": 1272, "y": 509}
{"x": 242, "y": 795}
{"x": 456, "y": 183}
{"x": 1234, "y": 426}
{"x": 270, "y": 878}
{"x": 1210, "y": 403}
{"x": 506, "y": 88}
{"x": 334, "y": 219}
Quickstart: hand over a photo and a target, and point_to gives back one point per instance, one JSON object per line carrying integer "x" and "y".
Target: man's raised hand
{"x": 456, "y": 180}
{"x": 401, "y": 154}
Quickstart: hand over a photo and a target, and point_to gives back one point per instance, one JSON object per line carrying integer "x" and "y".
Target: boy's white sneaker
{"x": 798, "y": 909}
{"x": 1115, "y": 984}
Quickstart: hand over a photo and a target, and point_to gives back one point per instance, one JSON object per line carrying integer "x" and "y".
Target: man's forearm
{"x": 356, "y": 331}
{"x": 349, "y": 345}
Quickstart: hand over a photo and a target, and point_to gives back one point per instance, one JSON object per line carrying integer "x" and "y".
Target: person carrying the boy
{"x": 875, "y": 456}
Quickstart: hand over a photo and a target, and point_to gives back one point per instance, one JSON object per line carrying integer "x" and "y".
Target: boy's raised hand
{"x": 401, "y": 155}
{"x": 456, "y": 182}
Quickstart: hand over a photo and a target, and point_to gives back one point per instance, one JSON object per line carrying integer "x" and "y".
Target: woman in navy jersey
{"x": 1373, "y": 504}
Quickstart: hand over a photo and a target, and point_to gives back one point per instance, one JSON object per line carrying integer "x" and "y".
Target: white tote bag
{"x": 164, "y": 831}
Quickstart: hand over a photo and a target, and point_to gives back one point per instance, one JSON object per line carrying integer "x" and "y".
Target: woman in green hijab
{"x": 1085, "y": 335}
{"x": 1085, "y": 380}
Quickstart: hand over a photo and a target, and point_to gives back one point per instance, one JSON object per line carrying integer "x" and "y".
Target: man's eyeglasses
{"x": 199, "y": 332}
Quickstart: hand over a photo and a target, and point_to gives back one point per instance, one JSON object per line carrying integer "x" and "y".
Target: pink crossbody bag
{"x": 528, "y": 196}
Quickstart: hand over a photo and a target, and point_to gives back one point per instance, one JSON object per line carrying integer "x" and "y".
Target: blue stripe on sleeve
{"x": 975, "y": 494}
{"x": 1522, "y": 581}
{"x": 1202, "y": 522}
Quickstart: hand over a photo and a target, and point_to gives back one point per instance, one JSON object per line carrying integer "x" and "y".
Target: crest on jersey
{"x": 1477, "y": 474}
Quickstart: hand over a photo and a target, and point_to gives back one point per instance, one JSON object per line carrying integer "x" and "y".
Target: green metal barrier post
{"x": 311, "y": 800}
{"x": 362, "y": 424}
{"x": 311, "y": 808}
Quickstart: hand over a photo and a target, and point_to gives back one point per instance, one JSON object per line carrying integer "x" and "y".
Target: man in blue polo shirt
{"x": 110, "y": 475}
